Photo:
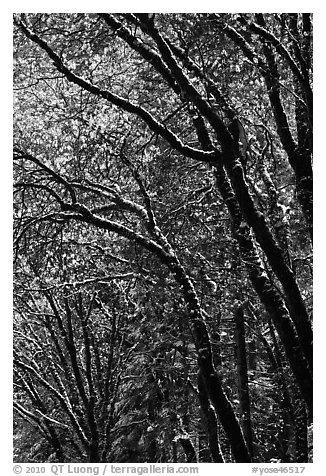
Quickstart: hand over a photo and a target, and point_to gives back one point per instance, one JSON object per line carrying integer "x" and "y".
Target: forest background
{"x": 317, "y": 209}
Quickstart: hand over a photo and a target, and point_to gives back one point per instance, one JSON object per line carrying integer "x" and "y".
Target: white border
{"x": 166, "y": 6}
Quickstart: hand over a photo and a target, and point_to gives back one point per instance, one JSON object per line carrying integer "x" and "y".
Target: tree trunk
{"x": 242, "y": 373}
{"x": 301, "y": 427}
{"x": 210, "y": 421}
{"x": 287, "y": 431}
{"x": 268, "y": 295}
{"x": 189, "y": 449}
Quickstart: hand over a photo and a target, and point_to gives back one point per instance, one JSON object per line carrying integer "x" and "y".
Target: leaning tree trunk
{"x": 209, "y": 375}
{"x": 243, "y": 214}
{"x": 268, "y": 295}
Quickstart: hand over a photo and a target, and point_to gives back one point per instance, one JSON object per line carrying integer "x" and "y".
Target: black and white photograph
{"x": 163, "y": 224}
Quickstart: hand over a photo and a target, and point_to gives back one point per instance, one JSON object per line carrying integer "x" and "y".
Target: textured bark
{"x": 299, "y": 153}
{"x": 254, "y": 218}
{"x": 299, "y": 157}
{"x": 268, "y": 295}
{"x": 211, "y": 379}
{"x": 274, "y": 254}
{"x": 140, "y": 47}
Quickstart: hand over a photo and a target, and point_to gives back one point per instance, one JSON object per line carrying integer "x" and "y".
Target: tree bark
{"x": 242, "y": 371}
{"x": 301, "y": 427}
{"x": 210, "y": 421}
{"x": 189, "y": 449}
{"x": 268, "y": 295}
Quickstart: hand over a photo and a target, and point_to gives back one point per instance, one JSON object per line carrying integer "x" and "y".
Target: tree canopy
{"x": 163, "y": 237}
